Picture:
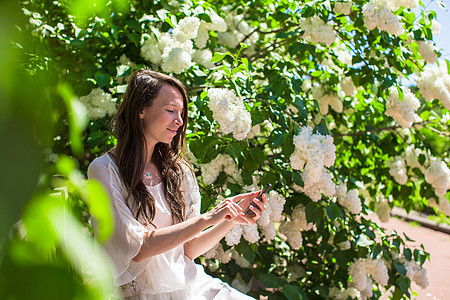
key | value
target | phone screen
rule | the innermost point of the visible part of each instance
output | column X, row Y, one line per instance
column 249, row 212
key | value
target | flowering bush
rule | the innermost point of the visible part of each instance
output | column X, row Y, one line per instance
column 262, row 79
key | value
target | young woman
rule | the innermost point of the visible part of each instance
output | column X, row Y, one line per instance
column 159, row 230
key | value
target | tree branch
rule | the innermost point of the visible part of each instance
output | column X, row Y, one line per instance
column 389, row 128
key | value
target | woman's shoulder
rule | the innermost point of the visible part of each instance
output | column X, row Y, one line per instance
column 102, row 163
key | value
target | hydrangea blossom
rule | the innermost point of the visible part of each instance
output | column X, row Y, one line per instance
column 415, row 272
column 230, row 112
column 222, row 162
column 410, row 156
column 348, row 86
column 435, row 27
column 357, row 270
column 336, row 293
column 203, row 57
column 217, row 24
column 292, row 229
column 434, row 83
column 438, row 175
column 186, row 29
column 377, row 269
column 233, row 237
column 250, row 233
column 218, row 253
column 443, row 206
column 377, row 15
column 238, row 30
column 383, row 210
column 314, row 152
column 239, row 259
column 326, row 100
column 403, row 111
column 317, row 31
column 150, row 50
column 398, row 170
column 349, row 200
column 344, row 8
column 426, row 50
column 98, row 104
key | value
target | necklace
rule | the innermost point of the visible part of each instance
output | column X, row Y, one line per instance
column 147, row 174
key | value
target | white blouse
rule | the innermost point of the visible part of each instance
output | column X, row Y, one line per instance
column 170, row 275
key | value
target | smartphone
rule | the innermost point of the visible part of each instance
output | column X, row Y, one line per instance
column 249, row 212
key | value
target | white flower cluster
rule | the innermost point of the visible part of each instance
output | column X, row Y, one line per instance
column 240, row 260
column 443, row 206
column 292, row 229
column 360, row 270
column 382, row 209
column 239, row 284
column 222, row 162
column 314, row 152
column 186, row 29
column 317, row 31
column 426, row 50
column 343, row 55
column 410, row 156
column 98, row 104
column 230, row 112
column 415, row 272
column 435, row 27
column 434, row 83
column 403, row 111
column 233, row 237
column 325, row 99
column 273, row 213
column 344, row 8
column 349, row 200
column 217, row 24
column 438, row 175
column 174, row 51
column 249, row 232
column 378, row 15
column 398, row 170
column 336, row 293
column 219, row 254
column 348, row 86
column 239, row 29
column 203, row 57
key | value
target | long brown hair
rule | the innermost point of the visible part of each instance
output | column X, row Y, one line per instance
column 144, row 86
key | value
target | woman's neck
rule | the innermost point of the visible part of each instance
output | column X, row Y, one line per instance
column 148, row 156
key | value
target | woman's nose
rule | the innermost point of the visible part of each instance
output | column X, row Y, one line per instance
column 179, row 120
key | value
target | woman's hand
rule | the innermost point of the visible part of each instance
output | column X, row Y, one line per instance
column 250, row 201
column 228, row 209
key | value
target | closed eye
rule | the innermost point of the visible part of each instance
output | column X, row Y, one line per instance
column 171, row 111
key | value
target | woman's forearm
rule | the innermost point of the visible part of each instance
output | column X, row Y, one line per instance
column 207, row 239
column 161, row 240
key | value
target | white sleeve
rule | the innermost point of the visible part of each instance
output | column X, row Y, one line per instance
column 191, row 194
column 128, row 235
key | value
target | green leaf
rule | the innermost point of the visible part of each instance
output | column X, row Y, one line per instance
column 100, row 207
column 400, row 268
column 293, row 292
column 271, row 280
column 333, row 211
column 404, row 283
column 219, row 56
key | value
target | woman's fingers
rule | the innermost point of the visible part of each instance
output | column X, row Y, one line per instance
column 243, row 197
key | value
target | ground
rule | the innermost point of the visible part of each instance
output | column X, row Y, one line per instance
column 438, row 245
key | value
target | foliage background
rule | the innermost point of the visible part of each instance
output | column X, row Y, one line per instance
column 58, row 51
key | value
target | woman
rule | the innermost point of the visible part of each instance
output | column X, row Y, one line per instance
column 159, row 230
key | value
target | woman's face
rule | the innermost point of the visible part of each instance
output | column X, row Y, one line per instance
column 163, row 118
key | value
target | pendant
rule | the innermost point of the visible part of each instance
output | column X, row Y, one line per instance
column 147, row 174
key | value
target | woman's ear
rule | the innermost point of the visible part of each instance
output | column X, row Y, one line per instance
column 142, row 114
